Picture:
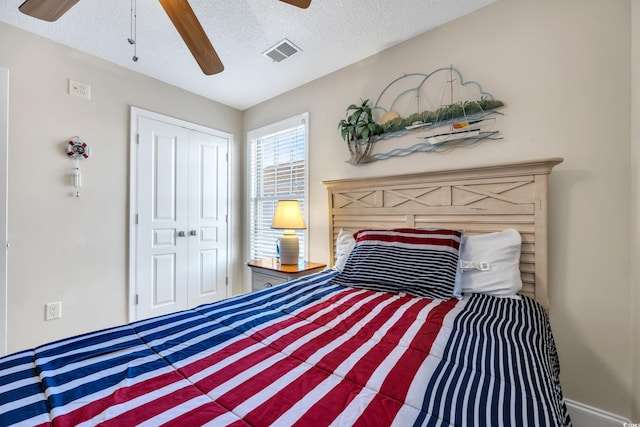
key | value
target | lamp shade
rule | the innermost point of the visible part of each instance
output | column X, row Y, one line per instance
column 288, row 216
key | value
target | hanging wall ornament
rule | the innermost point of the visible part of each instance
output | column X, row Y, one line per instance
column 77, row 149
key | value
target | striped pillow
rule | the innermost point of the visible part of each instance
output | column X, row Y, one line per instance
column 420, row 262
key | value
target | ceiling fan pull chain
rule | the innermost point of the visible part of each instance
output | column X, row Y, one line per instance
column 134, row 29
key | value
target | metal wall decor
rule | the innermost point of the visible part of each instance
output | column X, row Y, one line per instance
column 441, row 109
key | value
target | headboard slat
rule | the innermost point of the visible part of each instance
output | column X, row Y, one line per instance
column 478, row 199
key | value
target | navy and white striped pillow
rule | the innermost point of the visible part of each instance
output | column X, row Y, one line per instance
column 420, row 262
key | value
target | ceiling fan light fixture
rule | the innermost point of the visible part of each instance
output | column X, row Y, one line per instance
column 45, row 9
column 184, row 20
column 281, row 50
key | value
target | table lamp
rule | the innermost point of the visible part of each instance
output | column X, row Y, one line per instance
column 288, row 217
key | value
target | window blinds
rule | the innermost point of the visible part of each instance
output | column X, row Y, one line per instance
column 278, row 170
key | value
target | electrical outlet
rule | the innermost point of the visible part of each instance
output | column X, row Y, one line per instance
column 79, row 89
column 53, row 310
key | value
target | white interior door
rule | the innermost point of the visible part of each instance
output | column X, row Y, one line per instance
column 4, row 171
column 181, row 208
column 163, row 218
column 207, row 234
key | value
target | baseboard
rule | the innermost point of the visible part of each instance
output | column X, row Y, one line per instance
column 587, row 416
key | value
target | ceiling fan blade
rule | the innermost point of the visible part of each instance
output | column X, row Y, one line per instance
column 47, row 10
column 187, row 24
column 300, row 3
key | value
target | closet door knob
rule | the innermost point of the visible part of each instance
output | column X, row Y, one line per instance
column 181, row 234
column 193, row 233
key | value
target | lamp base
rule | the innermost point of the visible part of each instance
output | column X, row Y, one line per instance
column 289, row 248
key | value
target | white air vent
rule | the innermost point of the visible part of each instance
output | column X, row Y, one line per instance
column 282, row 50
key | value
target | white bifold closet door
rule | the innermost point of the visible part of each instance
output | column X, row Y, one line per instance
column 182, row 207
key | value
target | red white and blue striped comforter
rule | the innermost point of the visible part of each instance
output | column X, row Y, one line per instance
column 304, row 353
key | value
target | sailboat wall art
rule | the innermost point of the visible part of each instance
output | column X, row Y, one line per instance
column 440, row 111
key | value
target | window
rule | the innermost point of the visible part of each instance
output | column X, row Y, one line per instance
column 277, row 170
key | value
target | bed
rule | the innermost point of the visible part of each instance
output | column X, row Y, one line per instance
column 392, row 335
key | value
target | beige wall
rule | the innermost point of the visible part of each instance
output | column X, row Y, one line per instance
column 63, row 248
column 635, row 198
column 563, row 70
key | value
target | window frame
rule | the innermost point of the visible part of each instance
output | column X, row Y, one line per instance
column 251, row 136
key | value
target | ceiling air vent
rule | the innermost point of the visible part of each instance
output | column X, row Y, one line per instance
column 282, row 50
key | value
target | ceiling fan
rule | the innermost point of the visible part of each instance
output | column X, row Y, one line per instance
column 180, row 13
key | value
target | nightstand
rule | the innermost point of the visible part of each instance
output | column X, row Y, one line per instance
column 268, row 272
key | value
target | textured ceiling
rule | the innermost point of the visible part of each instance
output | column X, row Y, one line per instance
column 331, row 34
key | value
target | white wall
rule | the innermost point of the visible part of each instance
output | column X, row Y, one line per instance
column 71, row 249
column 563, row 70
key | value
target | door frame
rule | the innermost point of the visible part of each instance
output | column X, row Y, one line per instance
column 135, row 113
column 4, row 205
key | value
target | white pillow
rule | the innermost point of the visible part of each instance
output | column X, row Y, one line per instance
column 344, row 245
column 490, row 263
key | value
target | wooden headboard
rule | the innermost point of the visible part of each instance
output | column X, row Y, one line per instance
column 479, row 200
